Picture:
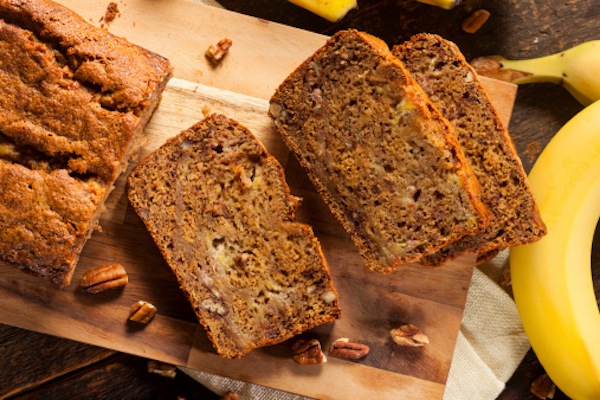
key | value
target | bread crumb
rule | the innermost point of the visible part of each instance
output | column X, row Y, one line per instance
column 112, row 12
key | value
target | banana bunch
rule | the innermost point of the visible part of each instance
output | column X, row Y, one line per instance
column 577, row 69
column 446, row 4
column 552, row 279
column 331, row 10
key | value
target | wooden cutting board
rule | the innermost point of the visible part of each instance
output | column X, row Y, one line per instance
column 262, row 55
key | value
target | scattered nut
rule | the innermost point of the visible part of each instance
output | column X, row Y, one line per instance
column 106, row 277
column 409, row 335
column 343, row 348
column 308, row 352
column 475, row 21
column 163, row 369
column 230, row 396
column 543, row 387
column 215, row 53
column 142, row 312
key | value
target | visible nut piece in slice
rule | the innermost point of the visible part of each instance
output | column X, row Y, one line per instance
column 215, row 53
column 161, row 368
column 475, row 21
column 343, row 348
column 308, row 352
column 142, row 312
column 106, row 277
column 543, row 387
column 409, row 335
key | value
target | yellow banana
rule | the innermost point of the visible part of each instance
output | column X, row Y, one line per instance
column 446, row 4
column 577, row 69
column 552, row 279
column 331, row 10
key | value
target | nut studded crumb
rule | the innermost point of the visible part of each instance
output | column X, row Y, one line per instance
column 218, row 207
column 378, row 152
column 441, row 69
column 454, row 88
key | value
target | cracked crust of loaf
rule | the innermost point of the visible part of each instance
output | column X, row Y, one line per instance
column 219, row 209
column 74, row 100
column 382, row 157
column 453, row 86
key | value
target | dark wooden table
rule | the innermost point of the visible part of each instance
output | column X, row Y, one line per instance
column 44, row 367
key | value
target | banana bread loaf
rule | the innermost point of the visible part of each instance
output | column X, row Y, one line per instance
column 74, row 100
column 383, row 158
column 453, row 87
column 219, row 209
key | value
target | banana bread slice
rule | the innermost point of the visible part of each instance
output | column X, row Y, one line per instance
column 382, row 157
column 219, row 209
column 453, row 87
column 74, row 100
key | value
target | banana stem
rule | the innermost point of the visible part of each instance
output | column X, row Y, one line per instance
column 542, row 69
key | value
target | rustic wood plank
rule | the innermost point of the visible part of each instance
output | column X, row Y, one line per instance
column 31, row 359
column 121, row 376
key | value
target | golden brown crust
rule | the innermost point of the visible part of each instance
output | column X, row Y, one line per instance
column 219, row 209
column 453, row 86
column 382, row 157
column 73, row 100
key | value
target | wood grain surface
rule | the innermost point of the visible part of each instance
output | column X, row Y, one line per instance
column 432, row 299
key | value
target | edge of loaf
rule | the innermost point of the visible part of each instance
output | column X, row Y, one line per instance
column 382, row 157
column 74, row 101
column 452, row 84
column 220, row 211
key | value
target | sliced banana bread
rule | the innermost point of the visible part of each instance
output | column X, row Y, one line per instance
column 74, row 100
column 219, row 209
column 453, row 87
column 383, row 158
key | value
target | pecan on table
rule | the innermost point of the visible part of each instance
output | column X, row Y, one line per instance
column 409, row 335
column 308, row 352
column 106, row 277
column 343, row 348
column 215, row 53
column 543, row 387
column 142, row 312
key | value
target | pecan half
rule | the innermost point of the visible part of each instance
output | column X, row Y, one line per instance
column 343, row 348
column 543, row 387
column 475, row 21
column 215, row 53
column 162, row 369
column 106, row 277
column 230, row 396
column 308, row 352
column 142, row 312
column 409, row 335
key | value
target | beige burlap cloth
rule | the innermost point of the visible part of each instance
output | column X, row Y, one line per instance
column 491, row 342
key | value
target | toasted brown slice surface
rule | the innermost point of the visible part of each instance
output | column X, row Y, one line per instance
column 383, row 158
column 73, row 101
column 453, row 86
column 219, row 209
